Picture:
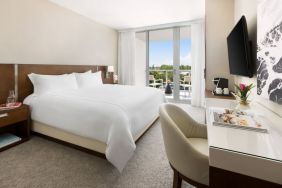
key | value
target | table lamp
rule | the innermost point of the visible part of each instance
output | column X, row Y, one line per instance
column 110, row 70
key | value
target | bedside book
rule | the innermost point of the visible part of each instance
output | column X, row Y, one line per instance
column 7, row 139
column 5, row 107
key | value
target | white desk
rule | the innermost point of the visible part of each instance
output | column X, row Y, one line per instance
column 249, row 153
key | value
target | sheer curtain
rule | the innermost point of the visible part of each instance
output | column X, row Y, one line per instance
column 126, row 58
column 198, row 64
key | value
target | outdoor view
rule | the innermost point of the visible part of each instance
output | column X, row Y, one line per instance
column 163, row 70
column 161, row 59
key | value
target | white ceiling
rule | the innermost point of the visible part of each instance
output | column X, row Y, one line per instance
column 124, row 14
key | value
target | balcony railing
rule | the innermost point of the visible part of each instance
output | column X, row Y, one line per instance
column 166, row 75
column 162, row 76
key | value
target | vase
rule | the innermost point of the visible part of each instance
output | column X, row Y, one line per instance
column 242, row 104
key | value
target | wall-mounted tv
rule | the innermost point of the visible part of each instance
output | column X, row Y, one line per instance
column 239, row 50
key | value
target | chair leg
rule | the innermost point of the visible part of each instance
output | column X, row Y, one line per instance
column 177, row 180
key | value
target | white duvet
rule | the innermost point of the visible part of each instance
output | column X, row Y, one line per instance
column 112, row 114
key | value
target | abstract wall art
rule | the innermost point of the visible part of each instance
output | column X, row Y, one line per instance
column 269, row 50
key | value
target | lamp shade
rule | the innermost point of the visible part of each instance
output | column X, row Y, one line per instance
column 110, row 69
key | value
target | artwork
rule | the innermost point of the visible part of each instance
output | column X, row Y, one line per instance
column 269, row 50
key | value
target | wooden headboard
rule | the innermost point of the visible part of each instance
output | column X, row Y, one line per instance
column 7, row 81
column 25, row 87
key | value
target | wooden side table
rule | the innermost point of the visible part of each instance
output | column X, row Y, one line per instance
column 108, row 79
column 15, row 121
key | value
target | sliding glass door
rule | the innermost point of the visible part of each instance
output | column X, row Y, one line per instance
column 168, row 61
column 161, row 66
column 163, row 61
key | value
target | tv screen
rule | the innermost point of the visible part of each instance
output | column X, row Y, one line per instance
column 239, row 53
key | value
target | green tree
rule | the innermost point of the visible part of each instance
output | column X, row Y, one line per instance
column 161, row 74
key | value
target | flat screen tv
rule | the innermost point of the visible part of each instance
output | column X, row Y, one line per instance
column 239, row 50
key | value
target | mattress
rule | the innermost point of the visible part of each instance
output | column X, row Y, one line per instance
column 110, row 114
column 88, row 143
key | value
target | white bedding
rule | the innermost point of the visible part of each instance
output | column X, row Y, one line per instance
column 109, row 113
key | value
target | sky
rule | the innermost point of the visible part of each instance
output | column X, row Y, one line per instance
column 161, row 52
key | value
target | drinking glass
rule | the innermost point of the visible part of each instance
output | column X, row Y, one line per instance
column 11, row 100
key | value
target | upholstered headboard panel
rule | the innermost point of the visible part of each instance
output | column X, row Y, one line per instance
column 7, row 81
column 25, row 87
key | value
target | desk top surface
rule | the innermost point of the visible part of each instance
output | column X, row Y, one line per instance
column 266, row 145
column 246, row 152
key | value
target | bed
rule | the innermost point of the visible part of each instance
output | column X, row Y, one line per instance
column 107, row 118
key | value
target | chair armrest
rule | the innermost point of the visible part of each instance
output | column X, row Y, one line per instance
column 189, row 127
column 200, row 130
column 183, row 156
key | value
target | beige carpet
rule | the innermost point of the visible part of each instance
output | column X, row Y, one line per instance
column 42, row 163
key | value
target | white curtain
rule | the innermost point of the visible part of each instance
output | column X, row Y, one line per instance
column 126, row 58
column 198, row 64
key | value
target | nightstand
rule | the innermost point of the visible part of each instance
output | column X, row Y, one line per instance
column 17, row 122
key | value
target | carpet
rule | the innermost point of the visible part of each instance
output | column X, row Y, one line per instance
column 42, row 163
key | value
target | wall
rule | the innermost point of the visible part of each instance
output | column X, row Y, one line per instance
column 219, row 23
column 249, row 9
column 6, row 32
column 38, row 31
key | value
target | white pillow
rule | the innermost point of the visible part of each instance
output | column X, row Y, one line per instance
column 48, row 83
column 89, row 80
column 78, row 73
column 31, row 76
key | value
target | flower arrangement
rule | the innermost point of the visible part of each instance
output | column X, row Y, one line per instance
column 243, row 92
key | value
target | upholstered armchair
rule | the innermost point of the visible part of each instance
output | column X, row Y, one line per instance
column 186, row 146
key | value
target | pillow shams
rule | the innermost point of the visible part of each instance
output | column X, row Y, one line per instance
column 32, row 76
column 89, row 80
column 87, row 72
column 48, row 83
